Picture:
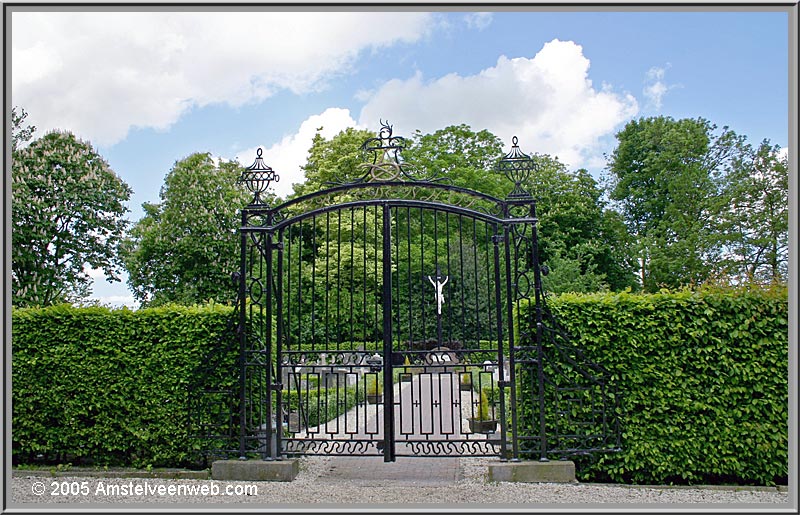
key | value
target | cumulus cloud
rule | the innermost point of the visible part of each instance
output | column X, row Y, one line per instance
column 655, row 87
column 99, row 74
column 288, row 155
column 547, row 101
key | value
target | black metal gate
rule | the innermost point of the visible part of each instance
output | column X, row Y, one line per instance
column 391, row 316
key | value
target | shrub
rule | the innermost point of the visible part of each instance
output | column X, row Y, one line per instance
column 704, row 377
column 108, row 387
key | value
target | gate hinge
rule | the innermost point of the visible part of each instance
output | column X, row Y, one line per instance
column 503, row 384
column 498, row 238
column 278, row 245
column 276, row 386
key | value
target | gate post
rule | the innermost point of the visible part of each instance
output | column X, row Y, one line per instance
column 256, row 178
column 521, row 212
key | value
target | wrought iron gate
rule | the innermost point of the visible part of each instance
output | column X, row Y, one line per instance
column 390, row 316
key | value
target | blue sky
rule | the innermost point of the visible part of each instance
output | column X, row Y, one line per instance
column 148, row 89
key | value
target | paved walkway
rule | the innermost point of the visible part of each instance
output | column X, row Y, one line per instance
column 404, row 471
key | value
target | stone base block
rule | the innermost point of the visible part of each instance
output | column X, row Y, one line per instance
column 255, row 470
column 533, row 472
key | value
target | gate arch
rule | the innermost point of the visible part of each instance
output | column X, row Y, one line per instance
column 413, row 288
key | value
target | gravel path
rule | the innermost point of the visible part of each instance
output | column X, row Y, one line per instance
column 311, row 488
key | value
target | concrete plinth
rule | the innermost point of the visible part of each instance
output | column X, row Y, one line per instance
column 533, row 472
column 254, row 470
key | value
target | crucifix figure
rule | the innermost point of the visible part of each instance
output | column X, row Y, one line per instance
column 439, row 285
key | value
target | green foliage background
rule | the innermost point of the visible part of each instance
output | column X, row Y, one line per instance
column 704, row 376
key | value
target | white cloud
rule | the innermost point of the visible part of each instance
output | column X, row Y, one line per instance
column 287, row 156
column 655, row 87
column 547, row 101
column 99, row 74
column 478, row 20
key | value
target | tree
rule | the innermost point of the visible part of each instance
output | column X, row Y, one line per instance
column 185, row 248
column 666, row 175
column 334, row 160
column 463, row 156
column 67, row 214
column 756, row 215
column 19, row 134
column 580, row 240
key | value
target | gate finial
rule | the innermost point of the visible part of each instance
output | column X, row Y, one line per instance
column 517, row 167
column 386, row 164
column 257, row 178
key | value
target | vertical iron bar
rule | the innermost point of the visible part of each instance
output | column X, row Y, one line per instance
column 352, row 273
column 448, row 304
column 396, row 297
column 300, row 285
column 510, row 265
column 462, row 285
column 327, row 285
column 388, row 387
column 436, row 262
column 410, row 282
column 499, row 313
column 539, row 344
column 288, row 292
column 242, row 334
column 475, row 266
column 375, row 241
column 338, row 280
column 279, row 328
column 313, row 283
column 271, row 411
column 423, row 327
column 490, row 321
column 364, row 284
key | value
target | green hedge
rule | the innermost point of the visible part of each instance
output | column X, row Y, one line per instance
column 105, row 386
column 705, row 382
column 704, row 377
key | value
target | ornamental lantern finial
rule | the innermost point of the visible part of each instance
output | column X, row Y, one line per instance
column 257, row 178
column 517, row 167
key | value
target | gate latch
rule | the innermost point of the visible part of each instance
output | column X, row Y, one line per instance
column 503, row 384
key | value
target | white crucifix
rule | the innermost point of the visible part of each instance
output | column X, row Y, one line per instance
column 439, row 285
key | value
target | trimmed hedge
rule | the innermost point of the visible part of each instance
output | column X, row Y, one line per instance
column 107, row 387
column 704, row 377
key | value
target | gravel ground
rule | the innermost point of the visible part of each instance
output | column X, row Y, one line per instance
column 312, row 487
